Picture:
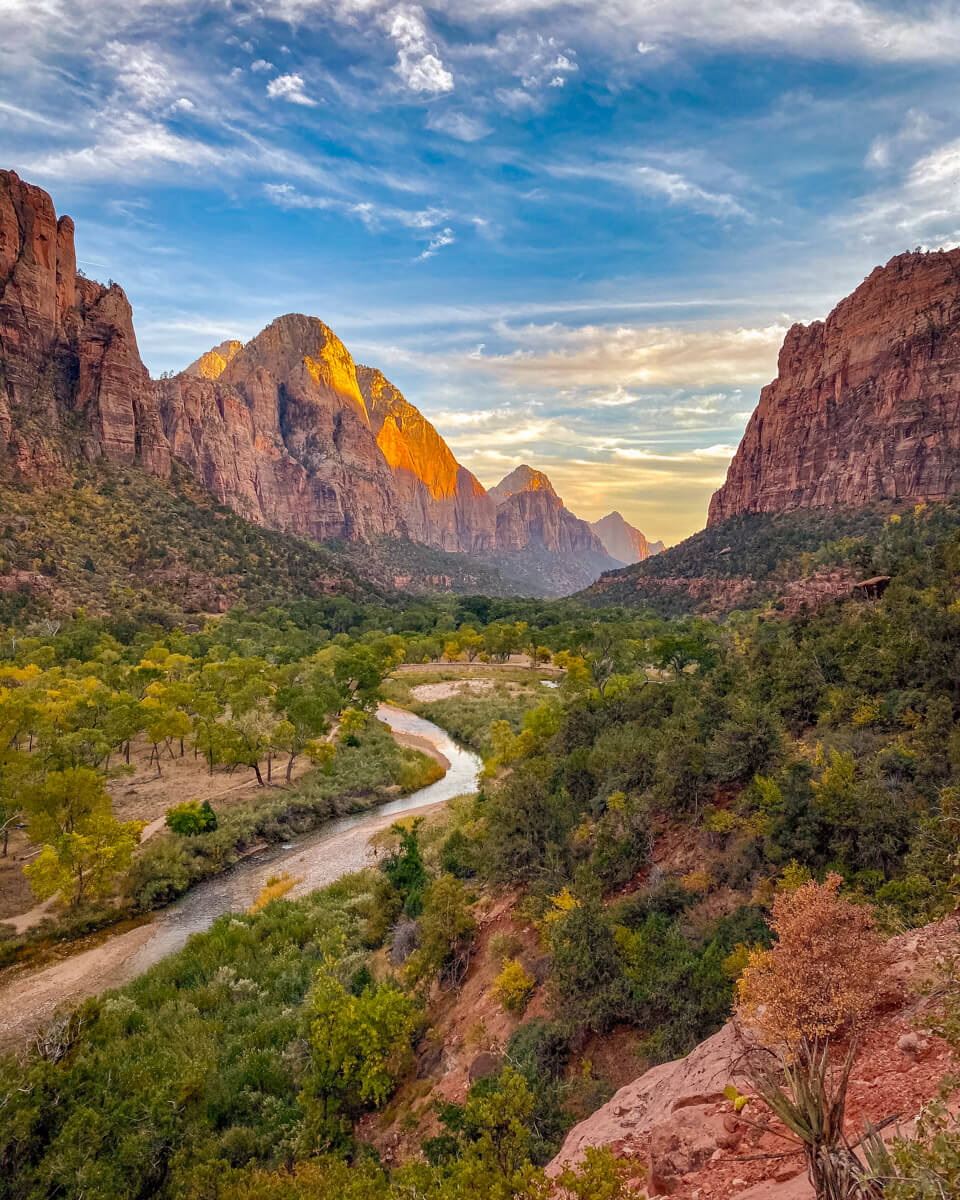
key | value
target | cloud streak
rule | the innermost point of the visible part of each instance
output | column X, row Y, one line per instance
column 556, row 355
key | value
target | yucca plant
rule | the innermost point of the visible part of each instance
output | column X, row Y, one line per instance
column 808, row 1095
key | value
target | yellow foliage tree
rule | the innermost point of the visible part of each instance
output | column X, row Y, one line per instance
column 820, row 976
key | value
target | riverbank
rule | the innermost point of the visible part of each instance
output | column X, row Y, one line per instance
column 29, row 998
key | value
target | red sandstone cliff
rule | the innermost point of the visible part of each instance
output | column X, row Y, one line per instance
column 444, row 500
column 282, row 435
column 285, row 429
column 71, row 380
column 866, row 405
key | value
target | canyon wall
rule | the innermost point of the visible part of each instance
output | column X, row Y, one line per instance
column 866, row 405
column 286, row 429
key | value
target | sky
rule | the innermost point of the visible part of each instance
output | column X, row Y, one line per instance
column 573, row 234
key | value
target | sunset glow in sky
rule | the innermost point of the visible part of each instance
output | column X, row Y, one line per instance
column 573, row 234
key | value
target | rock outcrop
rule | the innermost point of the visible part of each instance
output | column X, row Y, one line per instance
column 676, row 1118
column 866, row 405
column 71, row 381
column 623, row 541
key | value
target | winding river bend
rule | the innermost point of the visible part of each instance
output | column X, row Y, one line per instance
column 341, row 846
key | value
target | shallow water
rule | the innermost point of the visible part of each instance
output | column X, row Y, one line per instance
column 31, row 997
column 316, row 859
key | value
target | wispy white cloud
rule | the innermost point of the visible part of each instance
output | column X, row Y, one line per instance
column 25, row 114
column 834, row 29
column 443, row 237
column 127, row 147
column 141, row 73
column 373, row 215
column 922, row 209
column 556, row 355
column 458, row 125
column 916, row 129
column 292, row 88
column 672, row 186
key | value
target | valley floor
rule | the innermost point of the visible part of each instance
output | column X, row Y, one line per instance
column 29, row 997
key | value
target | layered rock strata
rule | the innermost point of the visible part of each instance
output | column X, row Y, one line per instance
column 866, row 404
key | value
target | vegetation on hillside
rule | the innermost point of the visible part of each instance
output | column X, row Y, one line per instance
column 773, row 549
column 647, row 817
column 124, row 545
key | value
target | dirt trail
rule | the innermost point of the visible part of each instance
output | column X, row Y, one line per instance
column 515, row 662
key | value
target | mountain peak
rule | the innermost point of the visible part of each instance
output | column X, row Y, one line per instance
column 212, row 364
column 623, row 541
column 521, row 479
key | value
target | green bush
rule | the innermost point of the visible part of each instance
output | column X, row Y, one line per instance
column 191, row 817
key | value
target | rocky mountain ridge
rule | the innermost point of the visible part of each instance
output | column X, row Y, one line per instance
column 866, row 404
column 286, row 429
column 530, row 515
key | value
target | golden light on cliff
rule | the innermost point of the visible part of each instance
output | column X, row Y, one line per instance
column 212, row 364
column 335, row 370
column 422, row 452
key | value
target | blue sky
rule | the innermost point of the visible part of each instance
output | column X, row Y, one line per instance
column 573, row 234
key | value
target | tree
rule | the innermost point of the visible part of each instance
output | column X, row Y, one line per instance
column 307, row 701
column 64, row 802
column 359, row 1047
column 352, row 721
column 821, row 975
column 248, row 737
column 9, row 814
column 586, row 988
column 447, row 930
column 820, row 978
column 83, row 864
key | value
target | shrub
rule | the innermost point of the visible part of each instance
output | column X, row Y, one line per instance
column 514, row 987
column 820, row 976
column 276, row 886
column 586, row 988
column 447, row 930
column 192, row 817
column 503, row 945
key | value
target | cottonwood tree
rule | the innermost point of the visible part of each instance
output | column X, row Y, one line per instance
column 84, row 846
column 307, row 701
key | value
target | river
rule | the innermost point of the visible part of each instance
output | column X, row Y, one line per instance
column 339, row 847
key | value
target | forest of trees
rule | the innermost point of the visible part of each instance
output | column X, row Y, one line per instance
column 788, row 754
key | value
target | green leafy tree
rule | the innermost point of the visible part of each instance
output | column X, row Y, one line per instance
column 586, row 988
column 84, row 864
column 447, row 930
column 359, row 1047
column 307, row 702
